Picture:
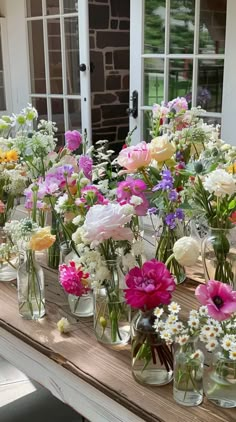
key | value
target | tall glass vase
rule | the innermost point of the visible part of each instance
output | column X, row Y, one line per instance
column 30, row 286
column 152, row 359
column 219, row 256
column 54, row 250
column 8, row 258
column 220, row 380
column 164, row 250
column 188, row 374
column 112, row 315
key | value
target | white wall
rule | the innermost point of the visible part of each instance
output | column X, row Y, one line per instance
column 17, row 75
column 229, row 91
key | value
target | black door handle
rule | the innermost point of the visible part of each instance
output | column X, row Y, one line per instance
column 82, row 67
column 134, row 110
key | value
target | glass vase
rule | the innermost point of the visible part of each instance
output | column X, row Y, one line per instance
column 54, row 250
column 220, row 380
column 152, row 358
column 30, row 286
column 8, row 258
column 81, row 306
column 219, row 256
column 164, row 250
column 188, row 374
column 112, row 317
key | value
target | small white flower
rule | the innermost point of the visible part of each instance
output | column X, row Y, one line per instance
column 203, row 311
column 196, row 355
column 128, row 209
column 63, row 325
column 158, row 312
column 193, row 314
column 182, row 339
column 174, row 307
column 193, row 323
column 166, row 335
column 226, row 343
column 232, row 354
column 135, row 200
column 211, row 345
column 76, row 221
column 172, row 319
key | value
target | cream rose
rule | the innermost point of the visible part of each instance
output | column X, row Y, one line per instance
column 161, row 148
column 186, row 251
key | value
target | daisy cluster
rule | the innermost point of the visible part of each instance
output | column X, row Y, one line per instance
column 171, row 329
column 215, row 333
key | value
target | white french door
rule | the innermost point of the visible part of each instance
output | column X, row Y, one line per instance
column 59, row 64
column 180, row 48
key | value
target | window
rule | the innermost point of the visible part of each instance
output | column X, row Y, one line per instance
column 181, row 54
column 54, row 27
column 3, row 106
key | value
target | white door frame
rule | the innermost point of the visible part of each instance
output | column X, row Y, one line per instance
column 6, row 67
column 137, row 11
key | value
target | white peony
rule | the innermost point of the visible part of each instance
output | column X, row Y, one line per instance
column 104, row 222
column 220, row 183
column 186, row 251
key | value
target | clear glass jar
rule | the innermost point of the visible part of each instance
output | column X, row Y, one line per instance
column 54, row 250
column 65, row 250
column 188, row 374
column 112, row 317
column 219, row 256
column 152, row 359
column 30, row 286
column 220, row 380
column 9, row 259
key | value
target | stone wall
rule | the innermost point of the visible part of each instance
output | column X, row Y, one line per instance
column 109, row 55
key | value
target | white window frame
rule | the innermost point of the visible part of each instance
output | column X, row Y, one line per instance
column 137, row 56
column 85, row 89
column 6, row 67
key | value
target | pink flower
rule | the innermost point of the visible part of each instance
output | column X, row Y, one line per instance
column 90, row 195
column 178, row 104
column 105, row 222
column 149, row 286
column 135, row 157
column 86, row 164
column 219, row 298
column 73, row 139
column 2, row 207
column 133, row 187
column 73, row 279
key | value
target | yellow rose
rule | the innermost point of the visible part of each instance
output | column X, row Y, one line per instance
column 12, row 155
column 41, row 240
column 161, row 148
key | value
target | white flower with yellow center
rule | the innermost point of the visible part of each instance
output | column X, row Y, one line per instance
column 174, row 307
column 203, row 311
column 196, row 355
column 211, row 345
column 193, row 323
column 158, row 312
column 232, row 354
column 182, row 339
column 193, row 314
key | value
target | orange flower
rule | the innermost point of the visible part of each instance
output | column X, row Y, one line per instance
column 12, row 155
column 41, row 240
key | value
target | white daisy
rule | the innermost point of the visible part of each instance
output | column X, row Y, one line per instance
column 232, row 354
column 182, row 339
column 158, row 312
column 174, row 307
column 211, row 345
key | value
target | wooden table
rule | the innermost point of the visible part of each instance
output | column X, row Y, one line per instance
column 91, row 378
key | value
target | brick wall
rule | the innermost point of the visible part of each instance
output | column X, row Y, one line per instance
column 109, row 54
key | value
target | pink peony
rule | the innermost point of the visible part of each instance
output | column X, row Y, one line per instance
column 73, row 279
column 105, row 222
column 135, row 157
column 219, row 298
column 149, row 286
column 73, row 139
column 133, row 187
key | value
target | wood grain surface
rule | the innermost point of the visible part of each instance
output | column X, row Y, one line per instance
column 105, row 369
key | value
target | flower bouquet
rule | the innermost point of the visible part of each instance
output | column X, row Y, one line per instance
column 147, row 287
column 219, row 335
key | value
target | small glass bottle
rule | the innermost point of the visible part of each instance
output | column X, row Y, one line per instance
column 188, row 374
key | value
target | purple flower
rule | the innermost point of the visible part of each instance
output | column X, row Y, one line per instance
column 178, row 104
column 86, row 164
column 179, row 213
column 179, row 156
column 73, row 139
column 166, row 183
column 152, row 210
column 170, row 220
column 173, row 195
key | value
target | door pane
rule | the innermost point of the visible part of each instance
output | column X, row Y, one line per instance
column 36, row 57
column 182, row 26
column 70, row 6
column 41, row 106
column 180, row 78
column 58, row 118
column 154, row 26
column 34, row 8
column 52, row 7
column 74, row 108
column 72, row 55
column 212, row 27
column 153, row 81
column 54, row 52
column 210, row 84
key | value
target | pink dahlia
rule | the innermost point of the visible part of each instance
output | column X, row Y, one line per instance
column 73, row 279
column 73, row 139
column 219, row 298
column 149, row 286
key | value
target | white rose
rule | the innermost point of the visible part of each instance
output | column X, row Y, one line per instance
column 186, row 251
column 161, row 148
column 220, row 183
